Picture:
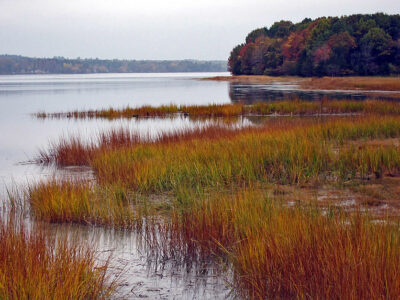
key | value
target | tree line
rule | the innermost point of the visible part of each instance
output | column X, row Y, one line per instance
column 13, row 64
column 328, row 46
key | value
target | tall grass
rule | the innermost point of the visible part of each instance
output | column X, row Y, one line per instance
column 36, row 266
column 78, row 201
column 296, row 154
column 274, row 251
column 75, row 151
column 281, row 252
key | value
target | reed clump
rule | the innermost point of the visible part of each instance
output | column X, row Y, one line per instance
column 79, row 201
column 282, row 252
column 36, row 266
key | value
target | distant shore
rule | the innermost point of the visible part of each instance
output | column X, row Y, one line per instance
column 377, row 84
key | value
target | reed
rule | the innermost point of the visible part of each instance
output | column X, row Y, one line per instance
column 274, row 251
column 36, row 266
column 75, row 151
column 78, row 201
column 299, row 153
column 281, row 252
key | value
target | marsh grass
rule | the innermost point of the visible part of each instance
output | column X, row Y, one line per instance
column 111, row 113
column 292, row 107
column 36, row 266
column 281, row 252
column 79, row 201
column 75, row 151
column 216, row 214
column 362, row 83
column 295, row 154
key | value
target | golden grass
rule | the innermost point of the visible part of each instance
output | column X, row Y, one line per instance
column 35, row 266
column 59, row 201
column 74, row 151
column 299, row 152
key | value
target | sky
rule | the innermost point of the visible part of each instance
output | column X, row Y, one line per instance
column 153, row 29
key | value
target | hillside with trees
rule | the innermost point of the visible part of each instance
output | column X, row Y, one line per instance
column 329, row 46
column 13, row 64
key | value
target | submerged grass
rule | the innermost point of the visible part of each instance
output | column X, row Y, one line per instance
column 36, row 266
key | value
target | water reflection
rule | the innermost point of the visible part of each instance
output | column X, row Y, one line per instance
column 140, row 274
column 274, row 91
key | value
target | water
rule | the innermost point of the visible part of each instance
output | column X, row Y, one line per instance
column 22, row 135
column 249, row 93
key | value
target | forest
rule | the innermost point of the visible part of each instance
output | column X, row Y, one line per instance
column 14, row 64
column 356, row 45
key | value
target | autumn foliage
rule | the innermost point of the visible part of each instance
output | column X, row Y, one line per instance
column 327, row 46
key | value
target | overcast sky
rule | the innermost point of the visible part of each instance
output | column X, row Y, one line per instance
column 153, row 29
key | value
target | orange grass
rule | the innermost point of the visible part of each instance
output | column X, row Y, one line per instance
column 281, row 252
column 35, row 266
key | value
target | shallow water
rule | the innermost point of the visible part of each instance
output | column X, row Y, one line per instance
column 22, row 135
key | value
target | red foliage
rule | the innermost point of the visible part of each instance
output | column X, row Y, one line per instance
column 322, row 53
column 296, row 42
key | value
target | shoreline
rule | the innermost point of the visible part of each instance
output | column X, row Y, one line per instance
column 375, row 84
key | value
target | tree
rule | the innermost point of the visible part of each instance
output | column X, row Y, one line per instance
column 356, row 44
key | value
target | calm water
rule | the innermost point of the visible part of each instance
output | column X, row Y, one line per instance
column 21, row 137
